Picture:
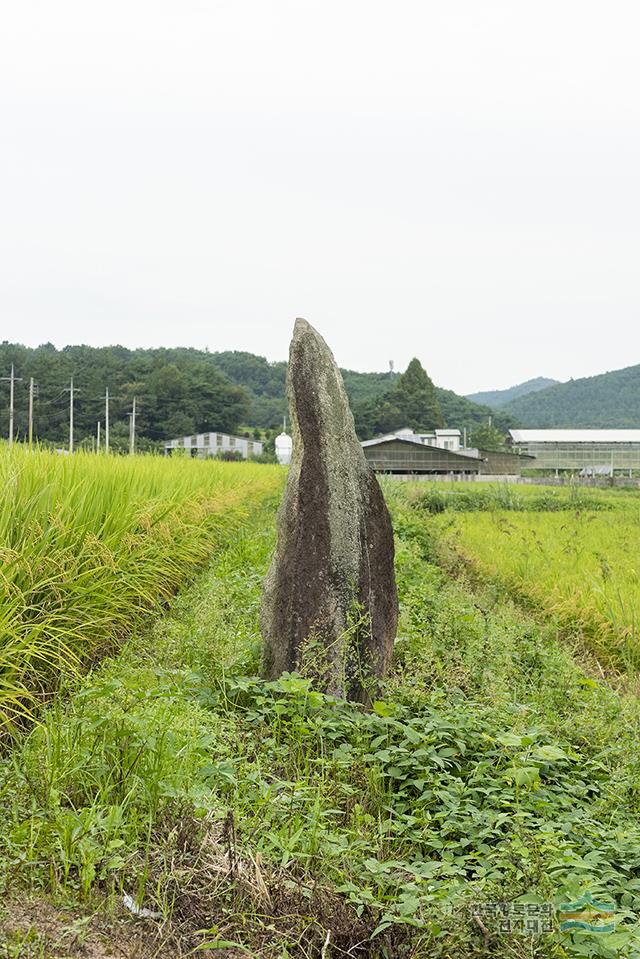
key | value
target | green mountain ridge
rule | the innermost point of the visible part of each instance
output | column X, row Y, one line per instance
column 608, row 400
column 265, row 381
column 500, row 398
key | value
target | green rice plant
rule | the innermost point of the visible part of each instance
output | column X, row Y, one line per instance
column 579, row 566
column 90, row 545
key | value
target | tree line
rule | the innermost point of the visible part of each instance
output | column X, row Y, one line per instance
column 183, row 391
column 178, row 392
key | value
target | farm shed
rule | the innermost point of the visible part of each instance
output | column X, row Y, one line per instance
column 501, row 463
column 577, row 450
column 210, row 444
column 401, row 454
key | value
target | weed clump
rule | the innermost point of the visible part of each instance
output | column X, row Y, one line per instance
column 433, row 500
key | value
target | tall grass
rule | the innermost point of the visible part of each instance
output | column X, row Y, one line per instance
column 90, row 545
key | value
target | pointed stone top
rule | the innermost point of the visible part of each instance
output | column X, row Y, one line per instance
column 318, row 402
column 303, row 326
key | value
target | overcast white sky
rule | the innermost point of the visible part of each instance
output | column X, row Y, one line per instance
column 456, row 181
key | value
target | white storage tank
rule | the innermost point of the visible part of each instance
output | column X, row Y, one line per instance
column 284, row 446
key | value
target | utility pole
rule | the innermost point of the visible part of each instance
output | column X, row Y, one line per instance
column 71, row 391
column 71, row 417
column 98, row 438
column 11, row 380
column 30, row 412
column 11, row 408
column 132, row 429
column 106, row 421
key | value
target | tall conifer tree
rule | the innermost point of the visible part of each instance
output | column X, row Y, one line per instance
column 415, row 397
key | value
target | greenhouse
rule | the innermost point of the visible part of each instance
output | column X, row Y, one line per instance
column 590, row 452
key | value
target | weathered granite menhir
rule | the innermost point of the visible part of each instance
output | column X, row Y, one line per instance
column 330, row 605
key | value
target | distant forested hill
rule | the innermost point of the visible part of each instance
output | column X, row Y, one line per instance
column 178, row 392
column 498, row 398
column 609, row 400
column 460, row 412
column 265, row 383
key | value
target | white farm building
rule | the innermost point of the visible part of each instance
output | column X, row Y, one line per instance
column 441, row 439
column 211, row 444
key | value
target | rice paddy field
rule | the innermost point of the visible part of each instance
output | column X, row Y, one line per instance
column 90, row 545
column 572, row 553
column 159, row 798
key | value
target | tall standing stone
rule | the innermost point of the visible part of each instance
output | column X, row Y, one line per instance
column 330, row 605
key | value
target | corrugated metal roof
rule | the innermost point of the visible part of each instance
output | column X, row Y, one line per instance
column 408, row 434
column 429, row 451
column 575, row 436
column 393, row 436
